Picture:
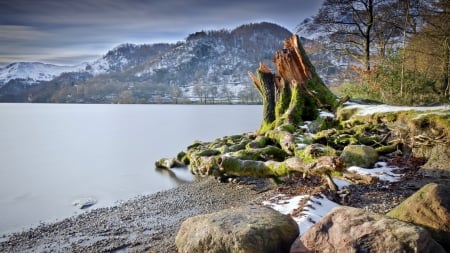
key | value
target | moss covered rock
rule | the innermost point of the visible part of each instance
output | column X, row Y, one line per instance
column 359, row 155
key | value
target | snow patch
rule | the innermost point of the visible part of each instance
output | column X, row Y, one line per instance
column 381, row 170
column 371, row 109
column 314, row 209
column 341, row 183
column 325, row 114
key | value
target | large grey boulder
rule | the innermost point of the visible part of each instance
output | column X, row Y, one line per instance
column 438, row 164
column 429, row 207
column 244, row 229
column 359, row 155
column 348, row 229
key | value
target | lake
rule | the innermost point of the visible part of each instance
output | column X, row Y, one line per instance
column 54, row 154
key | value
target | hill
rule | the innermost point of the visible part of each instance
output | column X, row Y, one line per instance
column 208, row 66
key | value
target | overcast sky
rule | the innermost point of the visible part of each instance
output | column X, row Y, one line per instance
column 69, row 32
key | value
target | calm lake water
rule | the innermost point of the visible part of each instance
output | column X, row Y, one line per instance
column 52, row 154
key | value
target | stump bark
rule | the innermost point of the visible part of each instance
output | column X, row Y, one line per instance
column 295, row 93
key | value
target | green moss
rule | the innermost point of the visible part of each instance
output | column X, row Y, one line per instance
column 266, row 127
column 185, row 159
column 181, row 155
column 304, row 156
column 278, row 169
column 288, row 128
column 259, row 142
column 391, row 117
column 224, row 149
column 296, row 107
column 323, row 124
column 359, row 155
column 383, row 150
column 344, row 140
column 321, row 136
column 236, row 147
column 322, row 92
column 208, row 152
column 231, row 165
column 194, row 145
column 335, row 173
column 284, row 99
column 344, row 113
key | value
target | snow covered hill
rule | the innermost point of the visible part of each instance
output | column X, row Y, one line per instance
column 206, row 64
column 216, row 57
column 32, row 72
column 118, row 59
column 124, row 57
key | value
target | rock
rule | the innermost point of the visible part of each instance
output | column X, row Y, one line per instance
column 359, row 155
column 316, row 150
column 428, row 207
column 84, row 202
column 244, row 229
column 168, row 163
column 298, row 247
column 438, row 164
column 348, row 229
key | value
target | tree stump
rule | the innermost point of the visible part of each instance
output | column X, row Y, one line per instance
column 296, row 93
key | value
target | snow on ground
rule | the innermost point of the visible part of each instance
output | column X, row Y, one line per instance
column 381, row 170
column 318, row 207
column 326, row 114
column 341, row 183
column 371, row 109
column 314, row 209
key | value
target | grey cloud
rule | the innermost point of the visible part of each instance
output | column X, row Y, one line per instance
column 96, row 25
column 20, row 33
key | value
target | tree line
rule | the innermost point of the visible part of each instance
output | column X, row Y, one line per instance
column 396, row 51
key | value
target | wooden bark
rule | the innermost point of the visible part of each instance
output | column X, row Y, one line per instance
column 296, row 93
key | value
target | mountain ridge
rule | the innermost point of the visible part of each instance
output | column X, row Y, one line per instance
column 206, row 64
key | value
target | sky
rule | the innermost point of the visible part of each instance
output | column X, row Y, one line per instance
column 69, row 32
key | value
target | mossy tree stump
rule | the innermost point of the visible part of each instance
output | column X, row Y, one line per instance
column 291, row 96
column 296, row 93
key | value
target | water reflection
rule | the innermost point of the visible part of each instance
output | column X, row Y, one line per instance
column 179, row 175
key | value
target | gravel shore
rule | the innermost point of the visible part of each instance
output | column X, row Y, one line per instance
column 150, row 223
column 145, row 224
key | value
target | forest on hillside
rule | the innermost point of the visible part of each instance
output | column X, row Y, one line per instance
column 392, row 51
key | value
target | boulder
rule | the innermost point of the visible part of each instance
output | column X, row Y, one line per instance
column 244, row 229
column 438, row 164
column 429, row 207
column 348, row 229
column 359, row 155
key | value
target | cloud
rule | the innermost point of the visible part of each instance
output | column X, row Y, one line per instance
column 86, row 25
column 20, row 33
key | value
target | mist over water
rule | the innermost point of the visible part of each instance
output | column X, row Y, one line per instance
column 54, row 154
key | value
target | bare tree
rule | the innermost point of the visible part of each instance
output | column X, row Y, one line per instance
column 359, row 29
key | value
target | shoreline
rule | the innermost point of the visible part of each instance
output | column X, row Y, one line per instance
column 144, row 223
column 150, row 222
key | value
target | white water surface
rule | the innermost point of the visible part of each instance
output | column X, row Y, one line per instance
column 52, row 155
